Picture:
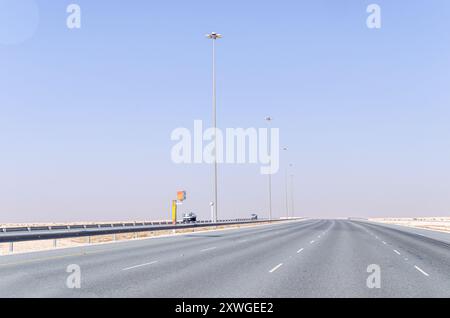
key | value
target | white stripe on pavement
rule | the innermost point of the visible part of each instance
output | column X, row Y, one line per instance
column 132, row 267
column 275, row 268
column 208, row 249
column 300, row 250
column 397, row 252
column 421, row 270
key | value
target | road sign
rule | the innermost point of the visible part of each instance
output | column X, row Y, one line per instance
column 174, row 211
column 181, row 195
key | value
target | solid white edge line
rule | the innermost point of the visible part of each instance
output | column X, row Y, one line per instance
column 421, row 270
column 300, row 250
column 397, row 252
column 136, row 266
column 275, row 268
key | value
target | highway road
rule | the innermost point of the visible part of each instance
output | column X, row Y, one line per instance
column 310, row 258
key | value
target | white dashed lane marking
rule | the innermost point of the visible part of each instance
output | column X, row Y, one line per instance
column 275, row 268
column 421, row 270
column 140, row 265
column 208, row 249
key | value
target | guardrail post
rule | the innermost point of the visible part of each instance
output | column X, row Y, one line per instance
column 114, row 237
column 55, row 243
column 11, row 247
column 135, row 235
column 89, row 240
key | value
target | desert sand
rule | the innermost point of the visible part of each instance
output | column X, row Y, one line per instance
column 430, row 223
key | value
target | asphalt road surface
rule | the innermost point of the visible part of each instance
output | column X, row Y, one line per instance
column 311, row 258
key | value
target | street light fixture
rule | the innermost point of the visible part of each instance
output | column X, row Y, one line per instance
column 214, row 36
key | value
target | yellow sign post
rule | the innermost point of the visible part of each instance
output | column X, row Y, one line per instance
column 174, row 211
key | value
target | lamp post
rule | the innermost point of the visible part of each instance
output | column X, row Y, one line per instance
column 292, row 194
column 269, row 119
column 214, row 36
column 286, row 187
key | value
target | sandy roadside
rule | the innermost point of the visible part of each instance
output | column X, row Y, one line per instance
column 441, row 224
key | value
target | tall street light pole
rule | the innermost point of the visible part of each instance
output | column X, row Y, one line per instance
column 286, row 187
column 269, row 119
column 292, row 191
column 214, row 36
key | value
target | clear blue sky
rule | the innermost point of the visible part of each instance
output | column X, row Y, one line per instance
column 86, row 115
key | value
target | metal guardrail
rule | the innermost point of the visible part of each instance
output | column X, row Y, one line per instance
column 33, row 233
